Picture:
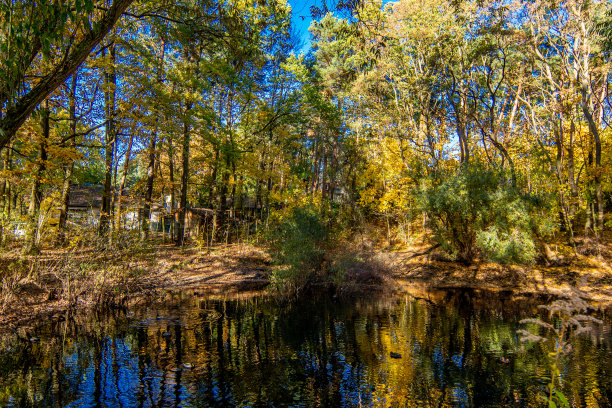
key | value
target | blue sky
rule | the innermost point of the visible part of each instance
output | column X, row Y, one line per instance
column 301, row 20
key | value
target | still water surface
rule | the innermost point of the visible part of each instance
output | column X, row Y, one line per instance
column 457, row 349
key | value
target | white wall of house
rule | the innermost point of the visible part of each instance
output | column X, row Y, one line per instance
column 130, row 219
column 89, row 217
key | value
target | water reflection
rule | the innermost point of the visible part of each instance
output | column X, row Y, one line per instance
column 458, row 348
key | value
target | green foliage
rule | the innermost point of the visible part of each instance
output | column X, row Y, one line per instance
column 604, row 27
column 477, row 208
column 516, row 246
column 342, row 265
column 297, row 237
column 89, row 172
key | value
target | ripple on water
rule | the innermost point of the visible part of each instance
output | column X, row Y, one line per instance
column 206, row 352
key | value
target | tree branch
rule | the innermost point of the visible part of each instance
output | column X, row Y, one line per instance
column 19, row 113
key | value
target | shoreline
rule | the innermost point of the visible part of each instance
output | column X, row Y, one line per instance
column 589, row 281
column 236, row 270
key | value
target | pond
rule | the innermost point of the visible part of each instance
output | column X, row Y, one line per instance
column 452, row 348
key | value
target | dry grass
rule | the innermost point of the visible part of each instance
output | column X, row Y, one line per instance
column 355, row 268
column 91, row 275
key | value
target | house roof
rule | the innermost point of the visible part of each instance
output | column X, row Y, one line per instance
column 90, row 196
column 245, row 202
column 201, row 210
column 85, row 196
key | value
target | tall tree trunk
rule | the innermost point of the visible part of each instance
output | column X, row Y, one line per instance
column 598, row 169
column 571, row 172
column 172, row 187
column 259, row 184
column 559, row 143
column 315, row 168
column 463, row 144
column 146, row 210
column 222, row 224
column 126, row 166
column 68, row 167
column 324, row 175
column 584, row 74
column 109, row 139
column 460, row 111
column 4, row 183
column 588, row 223
column 146, row 218
column 184, row 175
column 334, row 165
column 32, row 230
column 233, row 193
column 212, row 186
column 5, row 193
column 229, row 152
column 114, row 182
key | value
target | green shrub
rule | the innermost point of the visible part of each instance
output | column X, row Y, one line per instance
column 297, row 237
column 515, row 246
column 477, row 209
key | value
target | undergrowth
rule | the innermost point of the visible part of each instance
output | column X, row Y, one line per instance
column 309, row 252
column 86, row 271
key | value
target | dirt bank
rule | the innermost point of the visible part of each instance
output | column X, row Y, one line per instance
column 47, row 285
column 54, row 281
column 590, row 278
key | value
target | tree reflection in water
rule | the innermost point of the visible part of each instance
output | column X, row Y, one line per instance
column 458, row 348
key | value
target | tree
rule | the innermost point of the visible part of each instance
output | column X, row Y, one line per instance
column 47, row 23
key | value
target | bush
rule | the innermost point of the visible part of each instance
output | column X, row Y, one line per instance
column 297, row 239
column 506, row 247
column 477, row 209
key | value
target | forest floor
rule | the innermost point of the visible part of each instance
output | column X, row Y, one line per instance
column 587, row 277
column 48, row 284
column 584, row 271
